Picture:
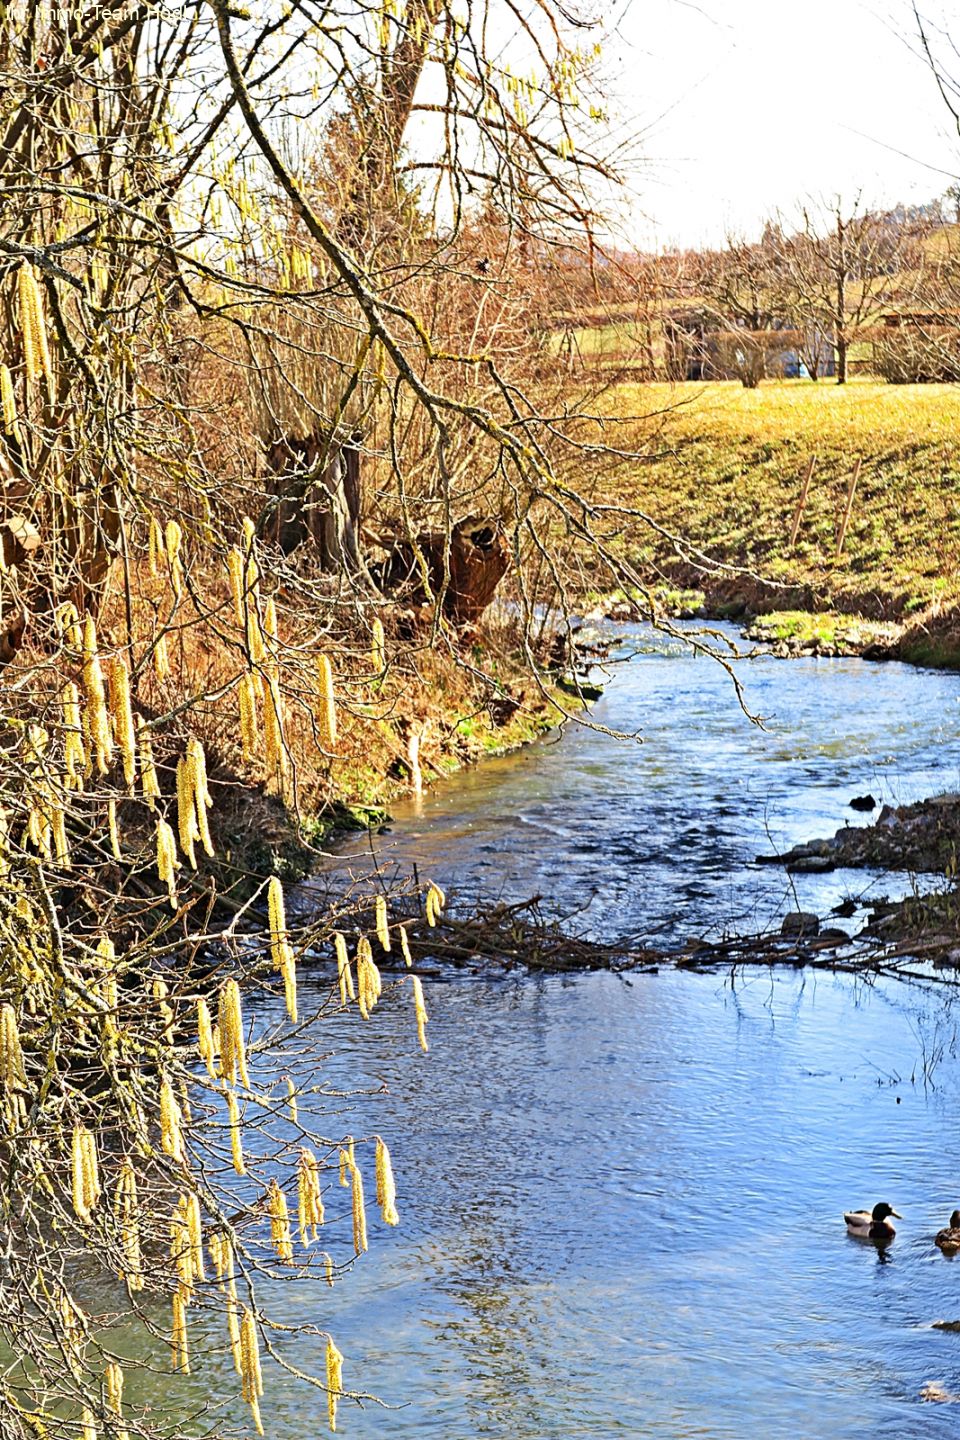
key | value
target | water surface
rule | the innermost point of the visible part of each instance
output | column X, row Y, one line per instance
column 659, row 838
column 621, row 1197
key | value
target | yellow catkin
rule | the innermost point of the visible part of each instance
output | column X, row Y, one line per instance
column 164, row 1008
column 195, row 1232
column 167, row 862
column 202, row 799
column 58, row 830
column 73, row 1327
column 74, row 750
column 113, row 1387
column 249, row 729
column 85, row 1175
column 233, row 1054
column 13, row 1078
column 328, row 1268
column 378, row 650
column 292, row 1102
column 405, row 945
column 186, row 812
column 275, row 749
column 114, row 833
column 126, row 1210
column 310, row 1212
column 359, row 1211
column 36, row 352
column 369, row 983
column 237, row 586
column 97, row 715
column 421, row 1012
column 270, row 626
column 149, row 779
column 221, row 1253
column 171, row 1136
column 178, row 1337
column 334, row 1380
column 250, row 1375
column 344, row 973
column 88, row 1424
column 236, row 1135
column 158, row 547
column 279, row 1223
column 173, row 537
column 280, row 948
column 181, row 1248
column 121, row 714
column 205, row 1045
column 8, row 404
column 326, row 703
column 347, row 1162
column 435, row 902
column 233, row 1329
column 274, row 743
column 386, row 1188
column 161, row 658
column 383, row 923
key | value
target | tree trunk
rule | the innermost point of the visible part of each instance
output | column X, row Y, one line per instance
column 841, row 311
column 318, row 488
column 467, row 570
column 841, row 359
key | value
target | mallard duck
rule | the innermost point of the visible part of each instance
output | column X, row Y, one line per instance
column 949, row 1239
column 872, row 1224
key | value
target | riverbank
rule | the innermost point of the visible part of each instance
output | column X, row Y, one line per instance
column 462, row 709
column 725, row 474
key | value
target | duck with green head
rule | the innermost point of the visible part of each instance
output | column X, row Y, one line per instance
column 948, row 1239
column 872, row 1224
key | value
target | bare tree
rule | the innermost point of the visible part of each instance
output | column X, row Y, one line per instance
column 844, row 267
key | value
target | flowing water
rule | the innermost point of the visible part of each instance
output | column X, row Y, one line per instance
column 621, row 1196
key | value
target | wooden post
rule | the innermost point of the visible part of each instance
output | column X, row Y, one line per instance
column 851, row 491
column 801, row 503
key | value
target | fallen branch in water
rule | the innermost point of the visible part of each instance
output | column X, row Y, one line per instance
column 506, row 937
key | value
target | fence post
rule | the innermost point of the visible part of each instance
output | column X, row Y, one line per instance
column 847, row 512
column 801, row 503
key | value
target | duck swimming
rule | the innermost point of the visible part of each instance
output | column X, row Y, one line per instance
column 873, row 1224
column 949, row 1239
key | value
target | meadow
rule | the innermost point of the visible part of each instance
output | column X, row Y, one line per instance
column 724, row 470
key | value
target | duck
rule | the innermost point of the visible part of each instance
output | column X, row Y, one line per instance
column 949, row 1239
column 872, row 1224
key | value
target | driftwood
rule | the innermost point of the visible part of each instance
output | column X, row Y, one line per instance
column 466, row 572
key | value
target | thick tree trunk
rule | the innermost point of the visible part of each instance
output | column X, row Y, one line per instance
column 319, row 492
column 467, row 574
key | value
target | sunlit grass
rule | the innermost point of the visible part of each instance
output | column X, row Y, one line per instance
column 728, row 469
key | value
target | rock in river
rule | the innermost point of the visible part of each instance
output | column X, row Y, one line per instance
column 800, row 922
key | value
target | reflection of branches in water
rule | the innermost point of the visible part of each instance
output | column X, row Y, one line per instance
column 937, row 1041
column 502, row 1326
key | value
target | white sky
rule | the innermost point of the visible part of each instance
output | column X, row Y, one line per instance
column 748, row 106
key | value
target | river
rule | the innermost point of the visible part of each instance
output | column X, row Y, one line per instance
column 621, row 1197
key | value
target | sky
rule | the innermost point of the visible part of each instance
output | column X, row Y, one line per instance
column 745, row 107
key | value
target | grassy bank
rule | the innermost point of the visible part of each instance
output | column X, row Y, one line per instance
column 726, row 474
